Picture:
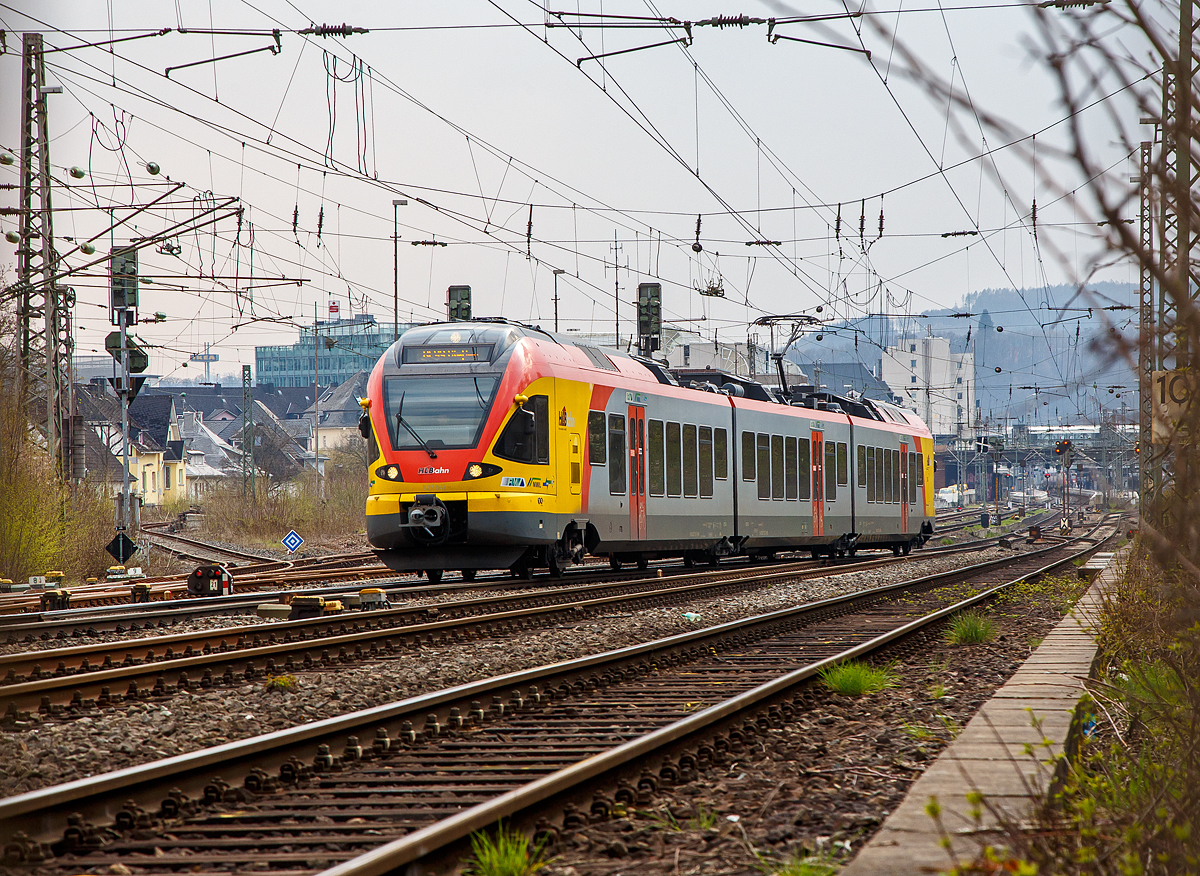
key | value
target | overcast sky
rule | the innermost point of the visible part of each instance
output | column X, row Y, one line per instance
column 478, row 114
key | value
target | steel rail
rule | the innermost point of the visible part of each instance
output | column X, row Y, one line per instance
column 42, row 622
column 541, row 606
column 388, row 858
column 42, row 812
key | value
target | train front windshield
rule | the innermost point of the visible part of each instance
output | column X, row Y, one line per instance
column 437, row 412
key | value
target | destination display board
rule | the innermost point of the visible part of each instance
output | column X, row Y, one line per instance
column 448, row 353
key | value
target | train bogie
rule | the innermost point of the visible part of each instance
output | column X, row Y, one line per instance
column 498, row 446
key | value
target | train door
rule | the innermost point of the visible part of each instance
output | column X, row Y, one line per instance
column 818, row 483
column 904, row 488
column 576, row 463
column 637, row 472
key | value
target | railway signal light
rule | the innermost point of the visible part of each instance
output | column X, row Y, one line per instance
column 649, row 316
column 458, row 302
column 139, row 361
column 123, row 269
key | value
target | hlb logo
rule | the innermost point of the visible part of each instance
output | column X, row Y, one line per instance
column 432, row 470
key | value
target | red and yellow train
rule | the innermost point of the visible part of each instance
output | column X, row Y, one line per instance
column 500, row 446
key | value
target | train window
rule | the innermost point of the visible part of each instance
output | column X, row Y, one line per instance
column 831, row 478
column 616, row 453
column 896, row 476
column 789, row 465
column 887, row 475
column 720, row 454
column 777, row 467
column 920, row 469
column 747, row 456
column 541, row 422
column 877, row 474
column 870, row 474
column 526, row 437
column 843, row 472
column 706, row 462
column 445, row 412
column 803, row 468
column 690, row 475
column 764, row 466
column 658, row 477
column 674, row 463
column 862, row 466
column 912, row 478
column 596, row 437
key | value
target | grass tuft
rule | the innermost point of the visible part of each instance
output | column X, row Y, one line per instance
column 506, row 853
column 802, row 865
column 282, row 683
column 855, row 678
column 970, row 628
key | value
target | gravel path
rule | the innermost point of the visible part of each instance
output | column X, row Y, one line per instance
column 53, row 751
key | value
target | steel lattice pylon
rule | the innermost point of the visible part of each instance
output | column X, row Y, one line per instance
column 247, row 434
column 44, row 344
column 1148, row 342
column 1165, row 328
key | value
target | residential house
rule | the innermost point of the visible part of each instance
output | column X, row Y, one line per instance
column 339, row 412
column 155, row 473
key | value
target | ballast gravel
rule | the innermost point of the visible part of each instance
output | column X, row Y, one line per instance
column 51, row 751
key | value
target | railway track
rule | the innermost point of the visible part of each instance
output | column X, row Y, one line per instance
column 372, row 791
column 87, row 621
column 195, row 549
column 87, row 678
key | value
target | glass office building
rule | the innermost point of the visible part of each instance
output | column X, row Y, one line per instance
column 342, row 347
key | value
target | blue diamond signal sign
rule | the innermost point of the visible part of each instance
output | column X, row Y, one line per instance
column 292, row 541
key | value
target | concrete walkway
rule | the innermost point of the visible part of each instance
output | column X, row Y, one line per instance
column 989, row 755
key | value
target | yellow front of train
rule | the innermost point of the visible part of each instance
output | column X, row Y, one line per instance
column 477, row 463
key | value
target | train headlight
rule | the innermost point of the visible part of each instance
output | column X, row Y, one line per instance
column 389, row 472
column 476, row 470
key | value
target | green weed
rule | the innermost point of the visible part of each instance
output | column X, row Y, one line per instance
column 937, row 690
column 282, row 683
column 506, row 853
column 855, row 678
column 917, row 732
column 704, row 819
column 970, row 628
column 801, row 865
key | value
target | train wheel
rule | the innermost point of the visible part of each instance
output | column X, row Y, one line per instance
column 614, row 563
column 714, row 560
column 435, row 576
column 556, row 566
column 468, row 574
column 895, row 550
column 522, row 570
column 816, row 552
column 907, row 548
column 643, row 564
column 689, row 561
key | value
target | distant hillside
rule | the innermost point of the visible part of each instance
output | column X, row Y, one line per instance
column 1044, row 338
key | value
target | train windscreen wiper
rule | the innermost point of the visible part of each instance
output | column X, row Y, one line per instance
column 411, row 431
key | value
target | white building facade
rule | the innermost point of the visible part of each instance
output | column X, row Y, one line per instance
column 933, row 381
